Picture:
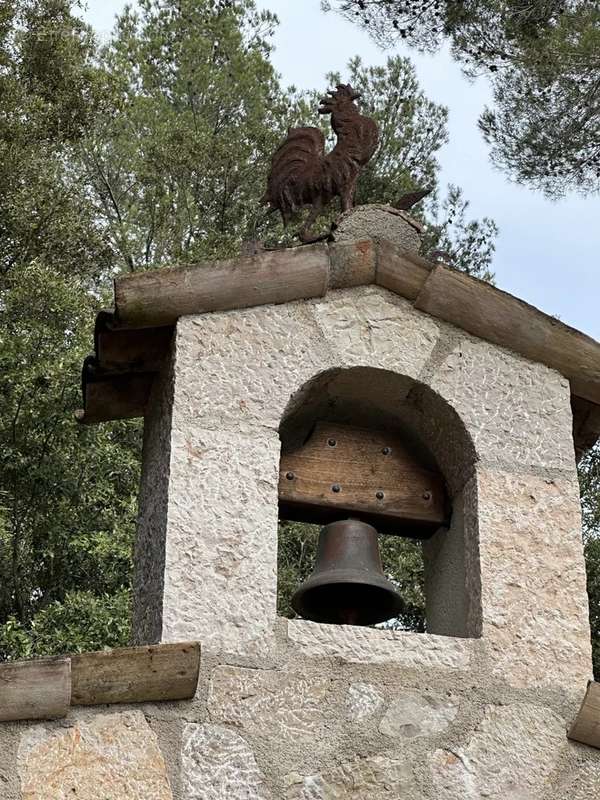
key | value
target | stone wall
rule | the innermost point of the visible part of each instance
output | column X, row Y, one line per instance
column 332, row 713
column 294, row 710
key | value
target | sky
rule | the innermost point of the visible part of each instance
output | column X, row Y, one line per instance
column 548, row 253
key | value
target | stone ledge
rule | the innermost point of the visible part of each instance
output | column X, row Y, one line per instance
column 372, row 646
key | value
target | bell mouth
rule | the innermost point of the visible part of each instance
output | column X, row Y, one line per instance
column 347, row 600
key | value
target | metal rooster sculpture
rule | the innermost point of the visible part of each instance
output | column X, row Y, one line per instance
column 303, row 175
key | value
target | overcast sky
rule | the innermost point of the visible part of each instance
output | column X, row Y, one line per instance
column 547, row 253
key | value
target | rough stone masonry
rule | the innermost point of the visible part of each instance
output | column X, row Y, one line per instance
column 478, row 707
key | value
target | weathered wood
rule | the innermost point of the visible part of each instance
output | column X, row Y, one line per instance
column 38, row 689
column 132, row 350
column 365, row 473
column 116, row 397
column 586, row 725
column 160, row 297
column 498, row 317
column 352, row 263
column 401, row 272
column 136, row 674
column 586, row 425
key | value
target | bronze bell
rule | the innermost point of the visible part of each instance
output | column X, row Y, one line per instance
column 347, row 585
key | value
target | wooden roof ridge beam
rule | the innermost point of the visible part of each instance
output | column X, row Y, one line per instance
column 159, row 297
column 496, row 316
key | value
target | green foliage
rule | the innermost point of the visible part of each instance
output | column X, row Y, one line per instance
column 542, row 58
column 83, row 621
column 177, row 173
column 67, row 494
column 589, row 481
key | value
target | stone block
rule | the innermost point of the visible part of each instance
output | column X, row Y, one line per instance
column 218, row 764
column 373, row 327
column 108, row 757
column 370, row 778
column 221, row 552
column 363, row 701
column 358, row 645
column 281, row 706
column 379, row 222
column 582, row 784
column 518, row 412
column 416, row 714
column 511, row 754
column 534, row 600
column 237, row 370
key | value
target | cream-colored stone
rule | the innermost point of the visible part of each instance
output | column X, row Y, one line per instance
column 379, row 222
column 418, row 714
column 373, row 327
column 372, row 778
column 517, row 411
column 236, row 370
column 510, row 756
column 109, row 757
column 534, row 601
column 583, row 784
column 218, row 764
column 283, row 706
column 221, row 556
column 363, row 701
column 372, row 646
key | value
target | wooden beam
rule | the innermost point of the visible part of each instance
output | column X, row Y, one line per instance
column 132, row 350
column 136, row 674
column 586, row 725
column 498, row 317
column 38, row 689
column 586, row 425
column 343, row 470
column 352, row 264
column 115, row 397
column 160, row 297
column 401, row 272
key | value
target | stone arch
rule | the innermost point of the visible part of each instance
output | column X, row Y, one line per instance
column 379, row 398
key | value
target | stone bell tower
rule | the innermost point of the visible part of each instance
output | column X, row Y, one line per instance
column 233, row 366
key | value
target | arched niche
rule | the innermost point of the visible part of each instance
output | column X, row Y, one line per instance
column 379, row 399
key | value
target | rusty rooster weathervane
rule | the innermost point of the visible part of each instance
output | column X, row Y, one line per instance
column 302, row 174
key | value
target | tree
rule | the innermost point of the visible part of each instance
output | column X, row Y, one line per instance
column 178, row 172
column 66, row 503
column 542, row 58
column 589, row 480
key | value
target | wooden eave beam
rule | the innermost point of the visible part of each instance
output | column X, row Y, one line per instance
column 46, row 688
column 136, row 337
column 586, row 725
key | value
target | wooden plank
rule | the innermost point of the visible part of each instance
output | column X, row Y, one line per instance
column 401, row 272
column 38, row 689
column 116, row 397
column 586, row 725
column 132, row 350
column 159, row 297
column 498, row 317
column 136, row 674
column 586, row 425
column 365, row 473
